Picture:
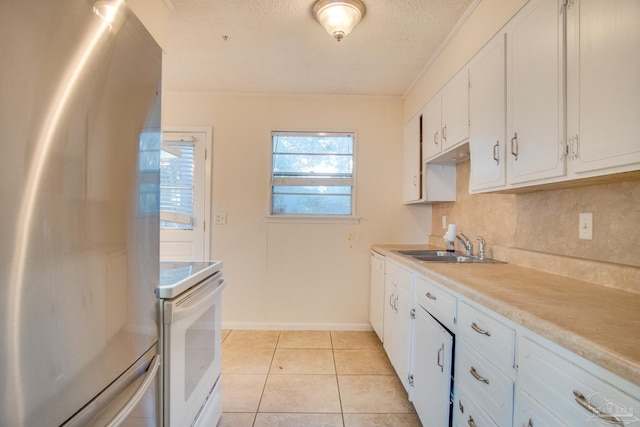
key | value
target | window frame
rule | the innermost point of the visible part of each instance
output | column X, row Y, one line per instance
column 313, row 218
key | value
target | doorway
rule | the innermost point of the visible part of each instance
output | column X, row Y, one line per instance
column 185, row 194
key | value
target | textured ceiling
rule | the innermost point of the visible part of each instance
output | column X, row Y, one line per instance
column 277, row 46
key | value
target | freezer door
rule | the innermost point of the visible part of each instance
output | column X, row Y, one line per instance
column 133, row 400
column 80, row 139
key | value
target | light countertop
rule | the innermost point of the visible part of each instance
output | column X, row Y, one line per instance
column 600, row 324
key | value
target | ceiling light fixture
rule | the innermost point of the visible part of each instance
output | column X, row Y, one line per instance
column 338, row 17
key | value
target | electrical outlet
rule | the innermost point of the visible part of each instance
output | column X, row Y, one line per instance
column 221, row 218
column 585, row 230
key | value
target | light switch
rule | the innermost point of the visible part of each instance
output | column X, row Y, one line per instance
column 444, row 222
column 221, row 218
column 585, row 230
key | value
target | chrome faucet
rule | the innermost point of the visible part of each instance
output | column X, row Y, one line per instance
column 464, row 240
column 482, row 245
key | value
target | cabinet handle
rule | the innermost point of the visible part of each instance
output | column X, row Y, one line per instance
column 435, row 138
column 529, row 424
column 395, row 304
column 471, row 422
column 444, row 133
column 514, row 139
column 440, row 360
column 477, row 376
column 496, row 152
column 428, row 295
column 479, row 330
column 460, row 406
column 582, row 401
column 390, row 300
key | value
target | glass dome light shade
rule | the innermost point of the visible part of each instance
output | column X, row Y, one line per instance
column 339, row 17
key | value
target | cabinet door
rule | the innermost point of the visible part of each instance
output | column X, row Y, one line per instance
column 432, row 356
column 535, row 93
column 486, row 109
column 530, row 413
column 431, row 122
column 376, row 299
column 455, row 110
column 403, row 333
column 603, row 63
column 413, row 159
column 389, row 315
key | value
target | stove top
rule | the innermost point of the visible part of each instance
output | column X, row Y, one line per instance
column 178, row 276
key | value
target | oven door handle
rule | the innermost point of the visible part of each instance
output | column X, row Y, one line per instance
column 194, row 303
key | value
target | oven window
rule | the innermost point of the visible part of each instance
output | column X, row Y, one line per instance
column 200, row 343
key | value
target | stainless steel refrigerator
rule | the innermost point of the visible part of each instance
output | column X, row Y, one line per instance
column 79, row 201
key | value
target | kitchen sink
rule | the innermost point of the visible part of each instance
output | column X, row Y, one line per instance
column 427, row 255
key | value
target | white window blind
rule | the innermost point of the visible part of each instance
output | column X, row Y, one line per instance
column 312, row 173
column 176, row 185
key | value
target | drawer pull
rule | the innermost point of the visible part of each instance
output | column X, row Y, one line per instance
column 479, row 330
column 582, row 401
column 460, row 406
column 440, row 360
column 428, row 295
column 471, row 422
column 529, row 424
column 477, row 376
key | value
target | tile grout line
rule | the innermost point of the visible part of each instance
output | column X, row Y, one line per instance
column 335, row 367
column 273, row 355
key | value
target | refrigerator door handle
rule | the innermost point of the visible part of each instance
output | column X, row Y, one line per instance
column 138, row 395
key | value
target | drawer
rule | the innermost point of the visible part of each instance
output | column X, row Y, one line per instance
column 466, row 412
column 567, row 390
column 487, row 335
column 398, row 275
column 439, row 303
column 486, row 384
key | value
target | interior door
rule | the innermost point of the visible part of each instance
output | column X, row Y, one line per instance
column 184, row 196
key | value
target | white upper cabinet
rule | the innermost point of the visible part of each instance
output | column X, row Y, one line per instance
column 487, row 111
column 432, row 122
column 455, row 110
column 535, row 53
column 446, row 117
column 603, row 86
column 412, row 187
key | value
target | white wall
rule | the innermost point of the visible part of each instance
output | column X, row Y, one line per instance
column 286, row 275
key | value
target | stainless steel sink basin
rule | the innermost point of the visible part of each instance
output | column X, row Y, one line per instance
column 426, row 252
column 426, row 255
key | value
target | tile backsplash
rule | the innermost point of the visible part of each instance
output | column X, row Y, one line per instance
column 540, row 229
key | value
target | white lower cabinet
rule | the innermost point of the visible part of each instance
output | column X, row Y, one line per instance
column 531, row 413
column 398, row 320
column 376, row 297
column 569, row 390
column 504, row 374
column 490, row 387
column 431, row 373
column 467, row 413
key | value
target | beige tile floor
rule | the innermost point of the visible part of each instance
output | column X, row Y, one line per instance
column 310, row 379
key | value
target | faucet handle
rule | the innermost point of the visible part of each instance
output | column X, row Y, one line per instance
column 482, row 244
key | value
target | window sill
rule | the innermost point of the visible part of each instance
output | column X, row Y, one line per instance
column 313, row 219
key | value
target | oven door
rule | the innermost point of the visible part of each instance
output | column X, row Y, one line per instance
column 192, row 349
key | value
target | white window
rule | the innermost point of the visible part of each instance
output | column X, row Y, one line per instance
column 312, row 173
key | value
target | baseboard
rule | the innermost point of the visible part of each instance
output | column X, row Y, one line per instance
column 299, row 326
